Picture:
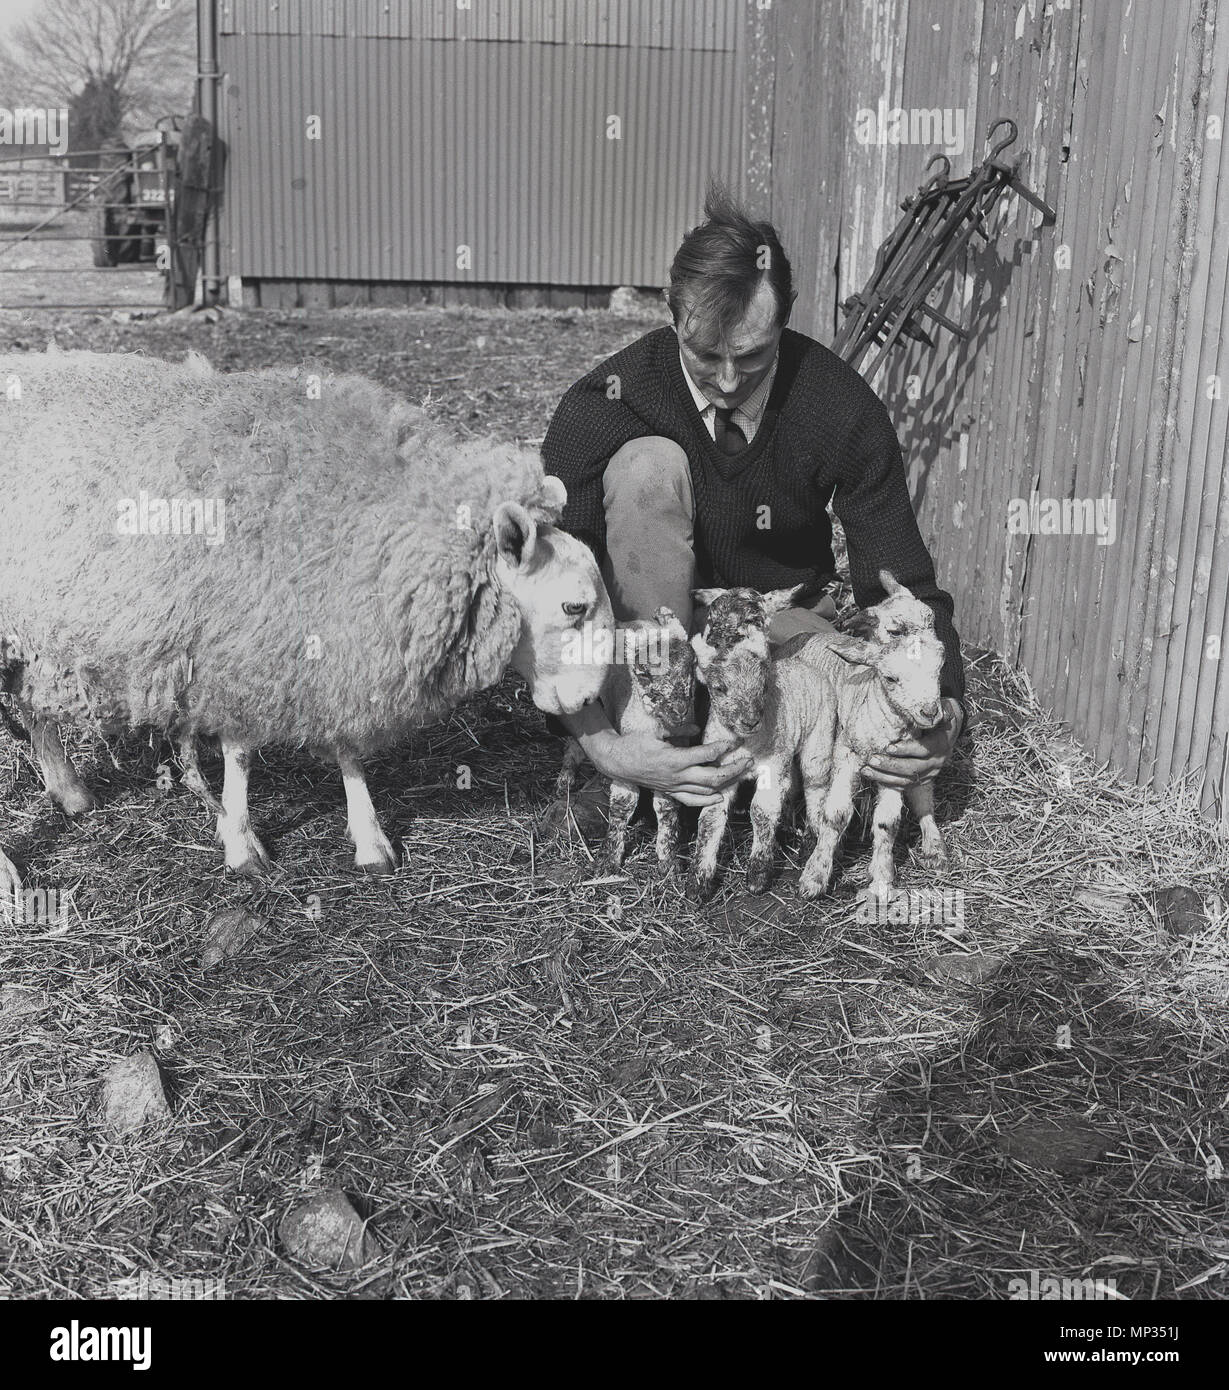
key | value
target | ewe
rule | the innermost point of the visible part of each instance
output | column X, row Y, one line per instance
column 267, row 557
column 649, row 690
column 832, row 702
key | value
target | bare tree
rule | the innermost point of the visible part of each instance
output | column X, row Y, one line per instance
column 142, row 49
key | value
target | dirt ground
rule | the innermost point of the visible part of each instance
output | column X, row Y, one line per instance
column 530, row 1082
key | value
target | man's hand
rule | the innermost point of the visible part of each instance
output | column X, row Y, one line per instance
column 918, row 758
column 695, row 776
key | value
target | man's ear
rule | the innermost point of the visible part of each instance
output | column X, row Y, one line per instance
column 516, row 534
column 707, row 597
column 854, row 650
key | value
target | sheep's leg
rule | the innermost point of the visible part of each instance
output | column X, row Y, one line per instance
column 829, row 810
column 60, row 777
column 624, row 798
column 194, row 778
column 573, row 756
column 931, row 853
column 766, row 807
column 244, row 852
column 667, row 810
column 711, row 827
column 883, row 839
column 373, row 853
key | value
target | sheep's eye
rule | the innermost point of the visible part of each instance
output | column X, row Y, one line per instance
column 891, row 680
column 574, row 610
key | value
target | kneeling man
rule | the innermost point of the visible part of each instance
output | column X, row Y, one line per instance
column 706, row 453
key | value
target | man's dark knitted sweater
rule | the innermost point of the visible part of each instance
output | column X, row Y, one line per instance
column 825, row 436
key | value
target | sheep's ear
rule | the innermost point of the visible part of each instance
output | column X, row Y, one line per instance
column 852, row 649
column 516, row 534
column 707, row 597
column 890, row 586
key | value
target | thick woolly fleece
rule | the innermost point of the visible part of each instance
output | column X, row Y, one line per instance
column 825, row 437
column 353, row 596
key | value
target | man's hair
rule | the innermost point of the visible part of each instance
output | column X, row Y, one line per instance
column 720, row 264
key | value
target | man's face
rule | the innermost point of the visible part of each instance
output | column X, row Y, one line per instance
column 728, row 371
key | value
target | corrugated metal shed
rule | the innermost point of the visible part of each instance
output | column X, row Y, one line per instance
column 1096, row 367
column 473, row 145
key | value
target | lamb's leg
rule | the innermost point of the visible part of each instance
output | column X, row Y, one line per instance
column 372, row 851
column 573, row 756
column 244, row 852
column 766, row 807
column 194, row 778
column 624, row 798
column 60, row 778
column 931, row 853
column 828, row 811
column 710, row 829
column 883, row 839
column 667, row 811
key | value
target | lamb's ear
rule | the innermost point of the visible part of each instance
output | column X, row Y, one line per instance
column 777, row 599
column 667, row 618
column 890, row 586
column 854, row 650
column 703, row 653
column 516, row 534
column 707, row 597
column 554, row 495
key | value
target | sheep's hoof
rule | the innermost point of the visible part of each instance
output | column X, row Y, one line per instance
column 758, row 877
column 255, row 866
column 377, row 868
column 247, row 856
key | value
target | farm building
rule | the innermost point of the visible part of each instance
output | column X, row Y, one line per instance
column 1067, row 459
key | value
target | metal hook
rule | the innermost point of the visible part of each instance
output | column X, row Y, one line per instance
column 947, row 165
column 1006, row 141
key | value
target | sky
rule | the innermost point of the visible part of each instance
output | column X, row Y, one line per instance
column 13, row 10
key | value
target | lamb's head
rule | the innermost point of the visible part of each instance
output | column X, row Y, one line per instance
column 732, row 652
column 897, row 639
column 663, row 668
column 567, row 626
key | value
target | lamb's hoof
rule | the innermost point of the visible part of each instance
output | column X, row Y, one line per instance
column 75, row 801
column 608, row 866
column 759, row 876
column 813, row 887
column 700, row 889
column 376, row 868
column 932, row 857
column 880, row 890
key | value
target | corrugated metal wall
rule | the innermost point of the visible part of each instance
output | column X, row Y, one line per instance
column 486, row 128
column 1096, row 367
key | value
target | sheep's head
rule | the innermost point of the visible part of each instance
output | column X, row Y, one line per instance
column 897, row 639
column 567, row 627
column 732, row 652
column 663, row 669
